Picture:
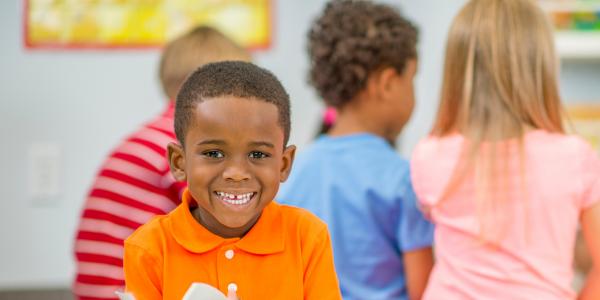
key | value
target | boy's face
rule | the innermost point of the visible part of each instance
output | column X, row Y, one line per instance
column 405, row 95
column 233, row 161
column 407, row 90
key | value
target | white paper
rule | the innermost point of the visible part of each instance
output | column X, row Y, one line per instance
column 203, row 291
column 125, row 296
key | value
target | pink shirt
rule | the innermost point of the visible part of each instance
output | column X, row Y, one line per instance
column 534, row 258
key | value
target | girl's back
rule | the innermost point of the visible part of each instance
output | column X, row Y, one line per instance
column 504, row 185
column 552, row 178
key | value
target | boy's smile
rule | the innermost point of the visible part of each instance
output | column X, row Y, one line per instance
column 235, row 199
column 233, row 160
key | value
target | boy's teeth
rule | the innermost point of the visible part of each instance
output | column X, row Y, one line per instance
column 235, row 198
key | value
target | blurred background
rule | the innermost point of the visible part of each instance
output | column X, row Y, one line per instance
column 63, row 108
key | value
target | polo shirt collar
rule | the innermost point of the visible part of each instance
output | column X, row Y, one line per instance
column 265, row 237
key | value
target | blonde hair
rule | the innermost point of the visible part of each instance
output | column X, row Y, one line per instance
column 500, row 80
column 197, row 47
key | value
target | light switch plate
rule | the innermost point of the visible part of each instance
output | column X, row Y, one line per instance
column 45, row 173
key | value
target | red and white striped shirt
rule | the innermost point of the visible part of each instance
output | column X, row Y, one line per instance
column 133, row 185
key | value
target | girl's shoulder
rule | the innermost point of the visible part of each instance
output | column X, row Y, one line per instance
column 439, row 147
column 448, row 145
column 568, row 144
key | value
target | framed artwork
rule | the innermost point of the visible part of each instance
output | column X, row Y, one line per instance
column 98, row 24
column 577, row 25
column 585, row 121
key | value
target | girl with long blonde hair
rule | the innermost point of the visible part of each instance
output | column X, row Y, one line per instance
column 503, row 183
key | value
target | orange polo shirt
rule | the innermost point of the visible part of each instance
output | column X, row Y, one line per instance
column 286, row 255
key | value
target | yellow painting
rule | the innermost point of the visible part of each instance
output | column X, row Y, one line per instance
column 141, row 23
column 585, row 119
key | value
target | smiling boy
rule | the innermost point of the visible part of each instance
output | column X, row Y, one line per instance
column 232, row 121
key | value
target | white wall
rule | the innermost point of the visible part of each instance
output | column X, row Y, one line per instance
column 433, row 27
column 85, row 101
column 82, row 101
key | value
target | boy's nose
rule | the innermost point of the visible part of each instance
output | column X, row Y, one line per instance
column 236, row 172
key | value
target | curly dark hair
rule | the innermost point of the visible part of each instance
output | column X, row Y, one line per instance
column 352, row 39
column 230, row 78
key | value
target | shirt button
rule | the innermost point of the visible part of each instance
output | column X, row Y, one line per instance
column 229, row 254
column 232, row 287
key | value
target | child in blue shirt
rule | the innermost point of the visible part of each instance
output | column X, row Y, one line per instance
column 363, row 60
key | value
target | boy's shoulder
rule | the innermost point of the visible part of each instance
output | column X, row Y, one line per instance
column 300, row 220
column 150, row 235
column 374, row 152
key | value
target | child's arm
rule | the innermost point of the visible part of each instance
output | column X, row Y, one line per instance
column 142, row 273
column 582, row 259
column 590, row 224
column 417, row 266
column 415, row 236
column 320, row 279
column 590, row 219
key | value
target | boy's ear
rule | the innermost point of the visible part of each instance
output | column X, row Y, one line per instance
column 380, row 82
column 176, row 161
column 288, row 160
column 386, row 81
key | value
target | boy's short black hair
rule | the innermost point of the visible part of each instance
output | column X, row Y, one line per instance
column 352, row 39
column 230, row 78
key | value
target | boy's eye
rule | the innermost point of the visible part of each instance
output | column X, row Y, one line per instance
column 258, row 154
column 213, row 154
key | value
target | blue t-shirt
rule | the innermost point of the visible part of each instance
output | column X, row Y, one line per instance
column 361, row 188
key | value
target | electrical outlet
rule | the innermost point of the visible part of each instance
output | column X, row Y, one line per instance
column 45, row 170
